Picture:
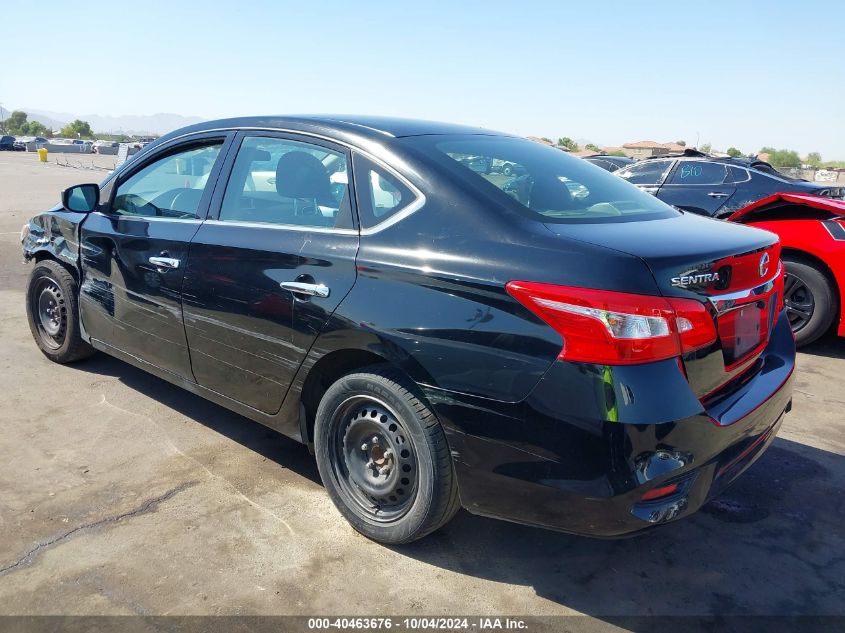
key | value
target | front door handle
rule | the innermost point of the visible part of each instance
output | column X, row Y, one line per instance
column 164, row 263
column 312, row 290
column 718, row 194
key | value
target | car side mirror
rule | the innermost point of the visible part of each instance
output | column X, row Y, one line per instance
column 81, row 198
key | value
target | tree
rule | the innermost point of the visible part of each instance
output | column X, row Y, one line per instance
column 81, row 129
column 568, row 143
column 706, row 148
column 734, row 152
column 16, row 123
column 36, row 128
column 681, row 143
column 814, row 159
column 592, row 147
column 617, row 152
column 782, row 157
column 546, row 138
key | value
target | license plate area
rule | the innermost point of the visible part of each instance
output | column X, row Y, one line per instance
column 744, row 330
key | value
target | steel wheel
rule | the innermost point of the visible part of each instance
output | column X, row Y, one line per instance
column 798, row 301
column 373, row 459
column 51, row 312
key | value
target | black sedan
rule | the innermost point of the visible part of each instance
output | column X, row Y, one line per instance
column 7, row 143
column 571, row 353
column 715, row 186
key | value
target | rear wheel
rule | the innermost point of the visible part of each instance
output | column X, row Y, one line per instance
column 808, row 297
column 383, row 457
column 53, row 314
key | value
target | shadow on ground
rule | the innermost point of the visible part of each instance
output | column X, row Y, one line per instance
column 254, row 436
column 830, row 345
column 772, row 544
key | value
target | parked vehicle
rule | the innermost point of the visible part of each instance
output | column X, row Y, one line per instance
column 7, row 143
column 20, row 143
column 506, row 168
column 812, row 233
column 599, row 364
column 814, row 268
column 610, row 163
column 105, row 147
column 713, row 186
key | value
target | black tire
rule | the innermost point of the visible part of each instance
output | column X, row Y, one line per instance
column 383, row 457
column 52, row 310
column 809, row 300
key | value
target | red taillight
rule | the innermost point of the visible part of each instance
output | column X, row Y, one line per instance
column 694, row 324
column 657, row 493
column 617, row 328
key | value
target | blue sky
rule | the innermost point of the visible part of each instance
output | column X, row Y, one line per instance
column 731, row 73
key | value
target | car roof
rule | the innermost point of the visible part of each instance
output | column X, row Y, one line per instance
column 339, row 126
column 694, row 154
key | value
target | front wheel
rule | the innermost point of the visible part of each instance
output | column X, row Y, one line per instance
column 808, row 298
column 53, row 313
column 383, row 457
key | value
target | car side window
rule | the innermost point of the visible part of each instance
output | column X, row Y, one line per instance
column 737, row 174
column 380, row 193
column 170, row 187
column 647, row 172
column 696, row 172
column 287, row 182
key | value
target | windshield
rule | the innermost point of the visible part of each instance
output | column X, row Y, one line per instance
column 543, row 183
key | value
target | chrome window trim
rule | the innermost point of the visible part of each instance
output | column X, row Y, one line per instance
column 290, row 227
column 146, row 218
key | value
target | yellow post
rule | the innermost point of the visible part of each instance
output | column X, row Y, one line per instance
column 42, row 154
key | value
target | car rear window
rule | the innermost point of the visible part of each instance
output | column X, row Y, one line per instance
column 541, row 182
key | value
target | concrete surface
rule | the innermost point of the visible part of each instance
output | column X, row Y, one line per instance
column 121, row 494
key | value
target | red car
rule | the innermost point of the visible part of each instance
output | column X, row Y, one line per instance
column 812, row 235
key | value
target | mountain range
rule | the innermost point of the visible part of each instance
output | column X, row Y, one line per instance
column 125, row 124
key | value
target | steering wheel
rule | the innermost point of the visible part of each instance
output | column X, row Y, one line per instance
column 310, row 209
column 174, row 206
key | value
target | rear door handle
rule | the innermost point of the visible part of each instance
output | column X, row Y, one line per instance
column 718, row 194
column 164, row 263
column 312, row 290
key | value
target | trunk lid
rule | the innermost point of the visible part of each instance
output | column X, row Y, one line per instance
column 733, row 269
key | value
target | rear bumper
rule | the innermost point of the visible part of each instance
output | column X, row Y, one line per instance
column 579, row 453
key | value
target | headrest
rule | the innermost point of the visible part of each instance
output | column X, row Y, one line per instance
column 550, row 194
column 301, row 175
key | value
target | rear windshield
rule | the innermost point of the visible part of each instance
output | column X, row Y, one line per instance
column 541, row 182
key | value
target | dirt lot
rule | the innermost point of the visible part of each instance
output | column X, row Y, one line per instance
column 121, row 494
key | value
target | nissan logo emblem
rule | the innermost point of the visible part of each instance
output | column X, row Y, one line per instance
column 764, row 264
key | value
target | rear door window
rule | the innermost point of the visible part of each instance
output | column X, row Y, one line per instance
column 288, row 182
column 695, row 172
